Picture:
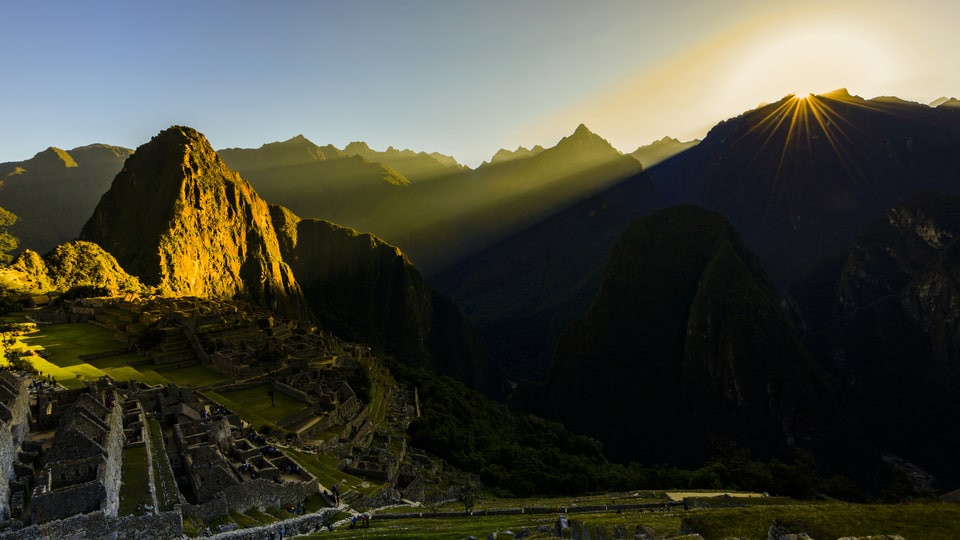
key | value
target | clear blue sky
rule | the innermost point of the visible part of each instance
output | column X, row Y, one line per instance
column 463, row 78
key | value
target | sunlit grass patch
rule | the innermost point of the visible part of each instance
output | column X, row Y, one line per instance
column 133, row 374
column 65, row 343
column 256, row 400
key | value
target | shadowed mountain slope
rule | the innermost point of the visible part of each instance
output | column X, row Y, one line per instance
column 525, row 290
column 885, row 321
column 685, row 348
column 661, row 150
column 55, row 191
column 367, row 290
column 802, row 176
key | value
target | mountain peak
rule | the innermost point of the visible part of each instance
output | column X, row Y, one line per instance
column 357, row 147
column 582, row 131
column 54, row 155
column 149, row 221
column 839, row 93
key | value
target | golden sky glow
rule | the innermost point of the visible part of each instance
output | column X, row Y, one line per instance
column 462, row 78
column 760, row 60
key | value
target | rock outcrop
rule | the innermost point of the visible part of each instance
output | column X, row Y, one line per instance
column 367, row 290
column 73, row 264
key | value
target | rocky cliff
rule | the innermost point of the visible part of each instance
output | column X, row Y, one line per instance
column 885, row 320
column 73, row 264
column 685, row 347
column 180, row 220
column 367, row 290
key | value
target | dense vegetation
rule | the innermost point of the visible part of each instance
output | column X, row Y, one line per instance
column 521, row 455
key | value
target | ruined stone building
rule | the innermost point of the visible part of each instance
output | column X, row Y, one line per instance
column 15, row 418
column 81, row 471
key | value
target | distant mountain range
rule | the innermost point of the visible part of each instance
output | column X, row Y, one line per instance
column 437, row 211
column 54, row 192
column 788, row 284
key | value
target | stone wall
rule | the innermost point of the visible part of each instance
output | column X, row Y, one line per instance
column 207, row 511
column 293, row 392
column 261, row 493
column 60, row 503
column 11, row 435
column 113, row 465
column 161, row 526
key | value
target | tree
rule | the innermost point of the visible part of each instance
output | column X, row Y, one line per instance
column 468, row 497
column 8, row 242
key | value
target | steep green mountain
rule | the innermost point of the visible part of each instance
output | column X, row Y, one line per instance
column 885, row 321
column 685, row 348
column 660, row 150
column 413, row 165
column 54, row 192
column 367, row 290
column 73, row 264
column 181, row 221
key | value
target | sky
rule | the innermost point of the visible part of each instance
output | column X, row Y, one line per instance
column 463, row 78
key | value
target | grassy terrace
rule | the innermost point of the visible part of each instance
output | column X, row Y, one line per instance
column 135, row 488
column 324, row 468
column 64, row 345
column 253, row 404
column 166, row 484
column 926, row 520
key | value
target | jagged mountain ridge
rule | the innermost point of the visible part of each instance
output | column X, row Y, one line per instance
column 413, row 165
column 54, row 192
column 439, row 220
column 661, row 150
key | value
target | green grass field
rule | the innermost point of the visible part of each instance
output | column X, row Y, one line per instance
column 254, row 406
column 324, row 468
column 135, row 487
column 197, row 375
column 919, row 520
column 67, row 342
